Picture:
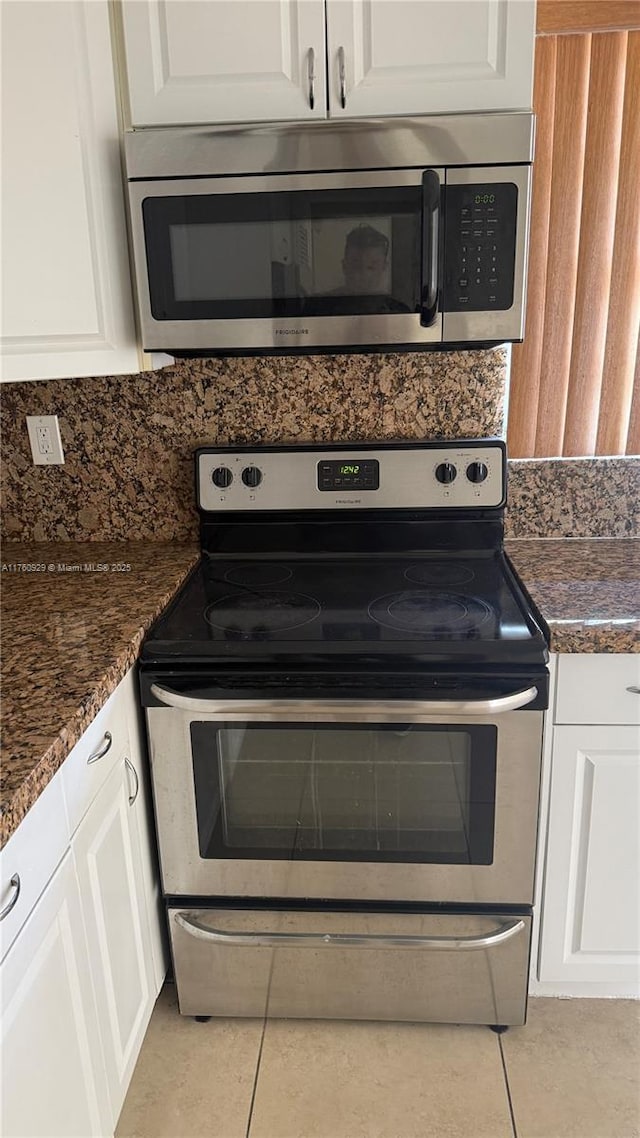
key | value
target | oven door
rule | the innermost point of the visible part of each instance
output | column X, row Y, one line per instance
column 281, row 262
column 400, row 801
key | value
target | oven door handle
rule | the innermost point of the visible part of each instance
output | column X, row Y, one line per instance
column 201, row 931
column 364, row 710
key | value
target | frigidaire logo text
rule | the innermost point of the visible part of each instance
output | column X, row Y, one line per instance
column 348, row 501
column 292, row 331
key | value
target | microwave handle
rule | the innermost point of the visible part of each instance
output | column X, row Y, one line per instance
column 430, row 246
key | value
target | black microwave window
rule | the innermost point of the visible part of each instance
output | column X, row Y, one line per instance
column 285, row 254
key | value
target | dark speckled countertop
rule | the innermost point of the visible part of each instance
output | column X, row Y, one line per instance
column 588, row 590
column 70, row 635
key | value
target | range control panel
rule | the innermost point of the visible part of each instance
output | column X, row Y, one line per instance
column 459, row 475
column 480, row 229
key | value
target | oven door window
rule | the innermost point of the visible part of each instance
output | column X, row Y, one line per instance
column 286, row 254
column 392, row 793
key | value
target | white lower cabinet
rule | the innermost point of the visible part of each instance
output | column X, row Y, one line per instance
column 86, row 960
column 590, row 927
column 52, row 1071
column 106, row 851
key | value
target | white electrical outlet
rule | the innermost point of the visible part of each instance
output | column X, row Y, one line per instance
column 44, row 436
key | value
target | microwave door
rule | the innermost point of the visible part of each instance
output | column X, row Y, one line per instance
column 277, row 263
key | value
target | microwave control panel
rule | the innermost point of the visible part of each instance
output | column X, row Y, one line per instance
column 480, row 239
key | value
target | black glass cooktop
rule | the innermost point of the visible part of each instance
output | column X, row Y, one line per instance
column 427, row 607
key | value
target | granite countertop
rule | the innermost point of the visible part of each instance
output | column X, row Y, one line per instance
column 69, row 635
column 588, row 590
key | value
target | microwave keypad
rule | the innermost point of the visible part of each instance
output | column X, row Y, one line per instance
column 480, row 238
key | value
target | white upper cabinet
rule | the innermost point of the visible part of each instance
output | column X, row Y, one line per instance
column 67, row 308
column 409, row 57
column 216, row 61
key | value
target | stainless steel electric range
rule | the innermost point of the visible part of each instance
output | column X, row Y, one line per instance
column 344, row 707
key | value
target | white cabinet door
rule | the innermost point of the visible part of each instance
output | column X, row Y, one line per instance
column 143, row 815
column 591, row 915
column 67, row 307
column 217, row 61
column 403, row 57
column 52, row 1072
column 107, row 857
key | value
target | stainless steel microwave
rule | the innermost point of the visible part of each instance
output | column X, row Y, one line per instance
column 370, row 235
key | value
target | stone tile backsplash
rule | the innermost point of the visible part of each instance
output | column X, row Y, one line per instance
column 129, row 440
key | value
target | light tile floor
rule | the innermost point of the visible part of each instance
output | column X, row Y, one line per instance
column 572, row 1072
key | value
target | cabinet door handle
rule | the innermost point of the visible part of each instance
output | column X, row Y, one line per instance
column 15, row 884
column 130, row 766
column 634, row 690
column 311, row 61
column 101, row 752
column 342, row 74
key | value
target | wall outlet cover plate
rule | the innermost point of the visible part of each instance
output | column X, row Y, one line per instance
column 44, row 436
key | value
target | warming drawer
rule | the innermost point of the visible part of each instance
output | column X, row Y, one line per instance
column 448, row 968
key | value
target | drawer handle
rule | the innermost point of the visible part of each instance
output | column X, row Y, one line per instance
column 130, row 766
column 101, row 752
column 634, row 690
column 15, row 884
column 347, row 940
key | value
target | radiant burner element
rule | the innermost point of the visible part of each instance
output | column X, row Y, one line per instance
column 258, row 573
column 424, row 612
column 439, row 573
column 271, row 610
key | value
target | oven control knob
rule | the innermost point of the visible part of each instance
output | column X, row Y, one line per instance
column 446, row 472
column 477, row 472
column 222, row 477
column 251, row 476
